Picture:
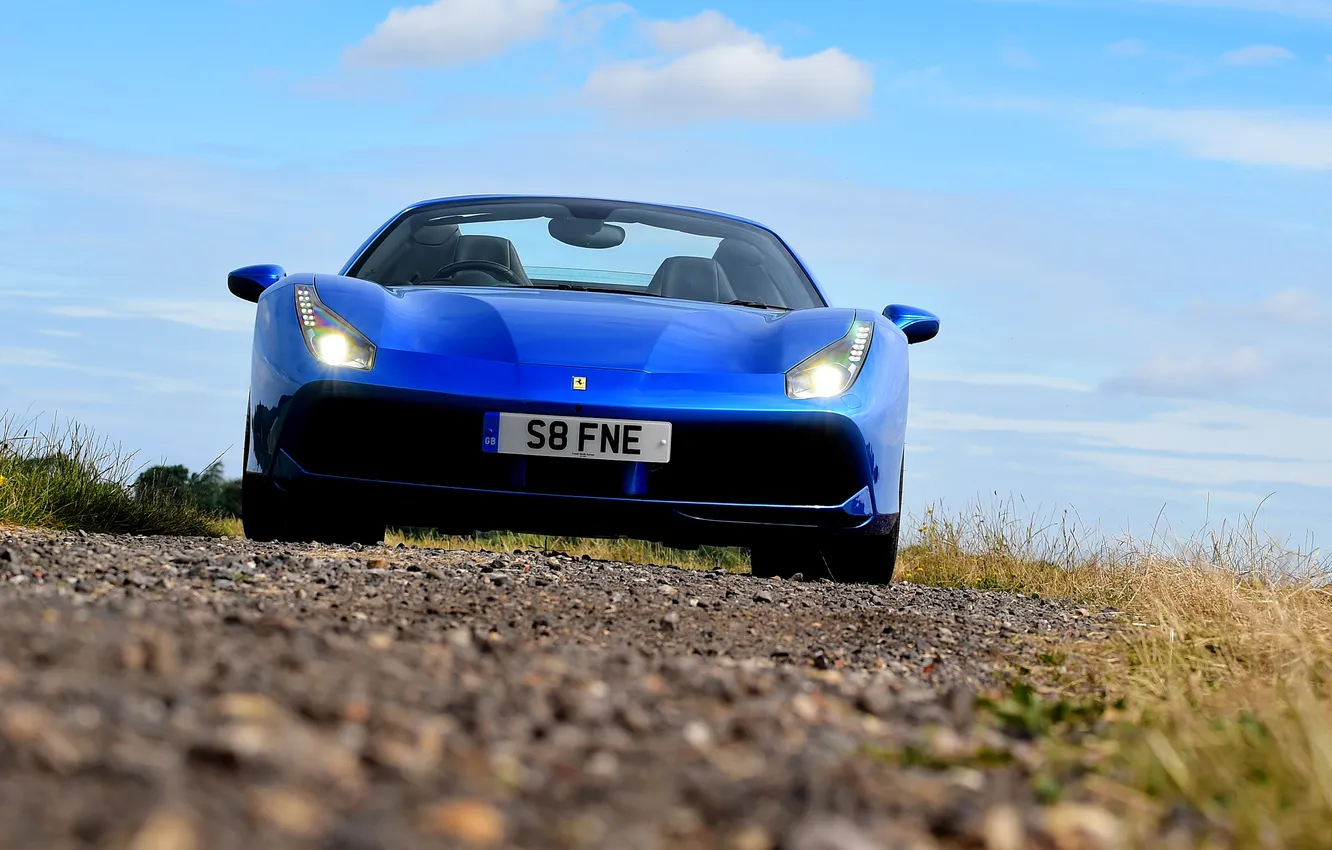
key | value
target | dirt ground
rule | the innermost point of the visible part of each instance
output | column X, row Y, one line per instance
column 183, row 694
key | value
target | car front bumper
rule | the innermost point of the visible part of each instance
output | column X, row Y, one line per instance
column 736, row 476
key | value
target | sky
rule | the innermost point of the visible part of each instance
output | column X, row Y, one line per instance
column 1121, row 209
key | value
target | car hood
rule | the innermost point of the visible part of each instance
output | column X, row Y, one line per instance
column 587, row 329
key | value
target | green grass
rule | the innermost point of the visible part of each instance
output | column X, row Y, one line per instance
column 70, row 479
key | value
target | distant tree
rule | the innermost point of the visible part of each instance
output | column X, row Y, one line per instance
column 206, row 487
column 163, row 482
column 231, row 498
column 209, row 490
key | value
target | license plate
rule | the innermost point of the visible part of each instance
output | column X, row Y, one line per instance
column 577, row 436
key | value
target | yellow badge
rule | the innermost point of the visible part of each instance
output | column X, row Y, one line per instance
column 580, row 383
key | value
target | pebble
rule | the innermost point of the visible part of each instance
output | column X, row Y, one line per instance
column 475, row 823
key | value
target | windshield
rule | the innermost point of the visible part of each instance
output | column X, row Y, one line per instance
column 601, row 246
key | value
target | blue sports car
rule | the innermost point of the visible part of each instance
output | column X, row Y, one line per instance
column 579, row 367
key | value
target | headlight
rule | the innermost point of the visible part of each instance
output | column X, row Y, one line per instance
column 833, row 370
column 330, row 338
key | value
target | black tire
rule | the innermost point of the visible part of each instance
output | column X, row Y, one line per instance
column 268, row 514
column 864, row 559
column 262, row 511
column 871, row 559
column 783, row 561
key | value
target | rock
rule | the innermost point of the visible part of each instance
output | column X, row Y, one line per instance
column 167, row 829
column 473, row 822
column 821, row 832
column 1002, row 829
column 763, row 596
column 875, row 699
column 698, row 735
column 1073, row 826
column 749, row 836
column 290, row 811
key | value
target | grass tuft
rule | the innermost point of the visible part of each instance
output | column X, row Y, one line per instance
column 68, row 478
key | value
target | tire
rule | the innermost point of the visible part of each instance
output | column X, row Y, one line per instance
column 866, row 559
column 783, row 561
column 268, row 514
column 262, row 511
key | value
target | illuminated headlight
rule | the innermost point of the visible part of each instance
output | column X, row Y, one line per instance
column 833, row 370
column 330, row 338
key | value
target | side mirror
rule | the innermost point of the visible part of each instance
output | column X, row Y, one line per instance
column 249, row 283
column 918, row 325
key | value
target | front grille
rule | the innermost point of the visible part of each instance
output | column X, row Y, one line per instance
column 761, row 463
column 818, row 462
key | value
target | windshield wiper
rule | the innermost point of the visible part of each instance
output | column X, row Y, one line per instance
column 760, row 305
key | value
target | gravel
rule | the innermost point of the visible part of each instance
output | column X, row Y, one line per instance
column 182, row 694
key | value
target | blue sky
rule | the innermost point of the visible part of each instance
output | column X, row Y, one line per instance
column 1121, row 208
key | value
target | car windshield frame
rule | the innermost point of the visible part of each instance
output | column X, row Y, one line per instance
column 680, row 219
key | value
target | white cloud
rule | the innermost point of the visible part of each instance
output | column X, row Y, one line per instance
column 1005, row 379
column 712, row 69
column 1316, row 9
column 1215, row 429
column 1198, row 376
column 1127, row 47
column 1015, row 57
column 1257, row 55
column 1211, row 472
column 1295, row 307
column 704, row 30
column 206, row 315
column 452, row 32
column 1249, row 138
column 29, row 358
column 36, row 358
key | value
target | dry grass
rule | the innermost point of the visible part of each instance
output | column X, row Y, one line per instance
column 1222, row 665
column 629, row 551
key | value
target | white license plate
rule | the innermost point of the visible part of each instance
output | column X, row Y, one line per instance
column 577, row 436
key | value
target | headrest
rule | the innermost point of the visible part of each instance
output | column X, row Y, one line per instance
column 435, row 234
column 496, row 249
column 732, row 250
column 692, row 279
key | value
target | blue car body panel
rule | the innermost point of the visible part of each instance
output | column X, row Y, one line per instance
column 406, row 435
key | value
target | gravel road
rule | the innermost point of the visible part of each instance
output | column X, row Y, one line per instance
column 190, row 694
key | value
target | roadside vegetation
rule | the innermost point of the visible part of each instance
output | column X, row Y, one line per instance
column 70, row 479
column 1207, row 709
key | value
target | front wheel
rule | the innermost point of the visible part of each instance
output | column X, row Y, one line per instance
column 865, row 559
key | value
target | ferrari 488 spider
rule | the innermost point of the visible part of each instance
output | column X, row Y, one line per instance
column 572, row 366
